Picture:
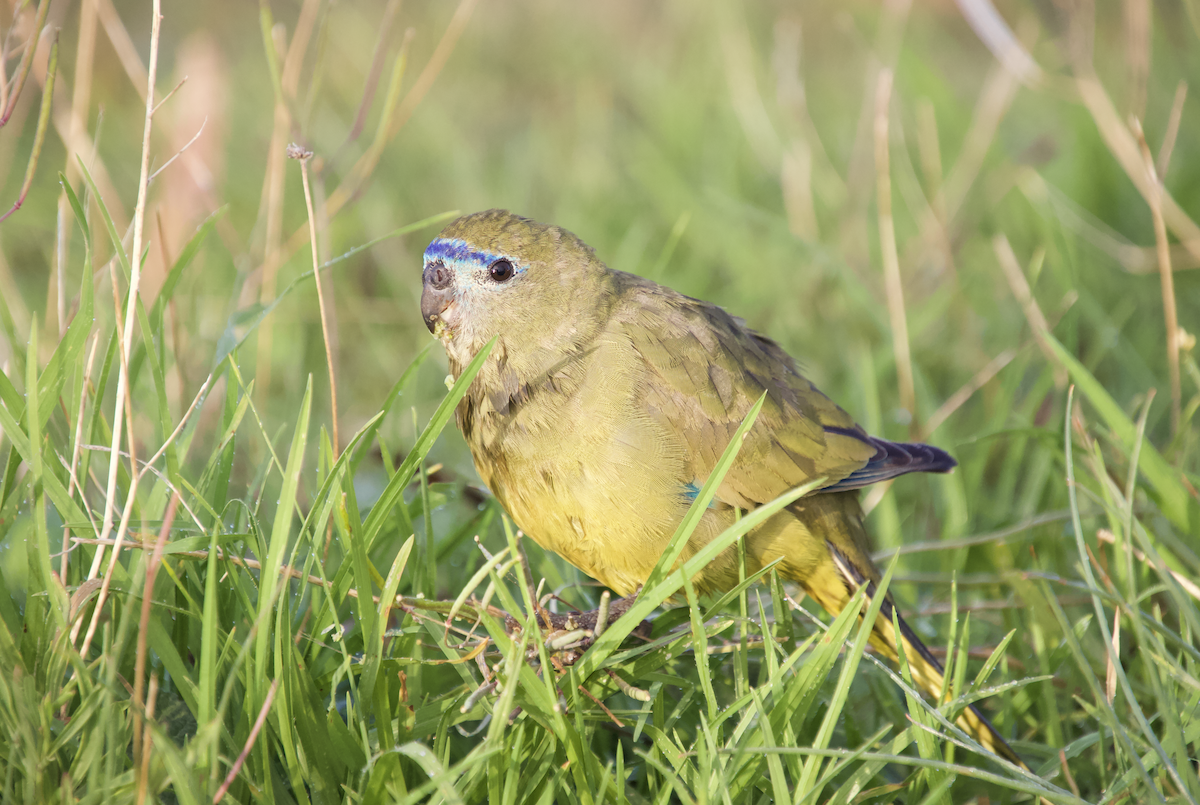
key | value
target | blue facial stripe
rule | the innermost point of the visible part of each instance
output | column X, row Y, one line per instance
column 458, row 250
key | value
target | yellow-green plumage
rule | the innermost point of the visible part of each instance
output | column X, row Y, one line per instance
column 607, row 398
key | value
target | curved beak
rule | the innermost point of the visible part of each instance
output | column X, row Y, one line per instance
column 437, row 293
column 433, row 303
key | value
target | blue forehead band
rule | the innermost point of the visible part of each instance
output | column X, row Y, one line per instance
column 459, row 250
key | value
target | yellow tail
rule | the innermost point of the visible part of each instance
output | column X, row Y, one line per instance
column 926, row 670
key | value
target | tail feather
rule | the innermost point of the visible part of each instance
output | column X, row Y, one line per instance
column 891, row 459
column 926, row 670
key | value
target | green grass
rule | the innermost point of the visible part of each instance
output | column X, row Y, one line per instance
column 282, row 617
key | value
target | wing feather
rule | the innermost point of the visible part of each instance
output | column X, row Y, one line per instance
column 704, row 371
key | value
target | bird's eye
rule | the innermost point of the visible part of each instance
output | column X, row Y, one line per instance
column 501, row 270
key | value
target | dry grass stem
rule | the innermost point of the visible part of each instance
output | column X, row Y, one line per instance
column 1070, row 778
column 143, row 768
column 163, row 101
column 1112, row 658
column 176, row 156
column 147, row 466
column 1132, row 258
column 43, row 121
column 73, row 478
column 85, row 52
column 298, row 153
column 1024, row 295
column 1189, row 586
column 999, row 38
column 1166, row 277
column 889, row 256
column 122, row 43
column 1172, row 133
column 122, row 401
column 956, row 400
column 18, row 82
column 994, row 102
column 139, row 667
column 1124, row 148
column 275, row 254
column 1137, row 54
column 935, row 229
column 392, row 124
column 237, row 764
column 375, row 71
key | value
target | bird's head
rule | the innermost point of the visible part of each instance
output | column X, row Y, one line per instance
column 495, row 273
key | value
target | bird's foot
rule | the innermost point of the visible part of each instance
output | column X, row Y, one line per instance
column 569, row 635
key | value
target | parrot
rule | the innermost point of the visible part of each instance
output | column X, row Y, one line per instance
column 606, row 401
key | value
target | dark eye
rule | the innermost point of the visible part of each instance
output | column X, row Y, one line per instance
column 501, row 270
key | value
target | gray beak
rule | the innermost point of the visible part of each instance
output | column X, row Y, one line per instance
column 437, row 293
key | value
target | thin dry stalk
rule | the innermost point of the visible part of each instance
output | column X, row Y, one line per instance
column 294, row 60
column 796, row 181
column 1062, row 761
column 162, row 101
column 1188, row 586
column 1124, row 148
column 995, row 99
column 935, row 229
column 995, row 34
column 1024, row 295
column 787, row 66
column 875, row 495
column 887, row 248
column 70, row 126
column 122, row 528
column 147, row 743
column 85, row 53
column 122, row 401
column 275, row 254
column 1137, row 53
column 956, row 400
column 444, row 610
column 1114, row 656
column 373, row 74
column 4, row 56
column 139, row 665
column 43, row 122
column 296, row 152
column 26, row 61
column 237, row 764
column 73, row 481
column 1166, row 277
column 122, row 43
column 365, row 166
column 59, row 282
column 358, row 175
column 1168, row 143
column 178, row 153
column 147, row 466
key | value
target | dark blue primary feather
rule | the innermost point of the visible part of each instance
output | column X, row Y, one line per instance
column 890, row 460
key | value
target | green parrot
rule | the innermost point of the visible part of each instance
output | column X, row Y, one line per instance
column 608, row 399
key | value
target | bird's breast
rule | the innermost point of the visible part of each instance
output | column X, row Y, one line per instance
column 584, row 470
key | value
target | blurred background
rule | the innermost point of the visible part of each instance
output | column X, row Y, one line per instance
column 908, row 196
column 728, row 150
